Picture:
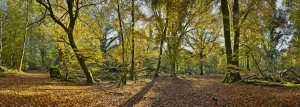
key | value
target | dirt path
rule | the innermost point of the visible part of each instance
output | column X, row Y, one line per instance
column 36, row 88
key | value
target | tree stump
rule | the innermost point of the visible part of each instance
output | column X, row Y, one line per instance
column 54, row 72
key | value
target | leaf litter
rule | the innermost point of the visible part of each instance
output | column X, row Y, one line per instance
column 38, row 89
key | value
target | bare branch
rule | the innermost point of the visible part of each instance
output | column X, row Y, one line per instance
column 87, row 25
column 94, row 4
column 59, row 6
column 65, row 41
column 63, row 15
column 40, row 20
column 49, row 8
column 77, row 10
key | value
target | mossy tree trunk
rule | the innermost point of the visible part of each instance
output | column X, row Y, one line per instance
column 230, row 75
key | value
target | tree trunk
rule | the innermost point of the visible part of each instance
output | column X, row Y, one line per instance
column 159, row 59
column 80, row 58
column 11, row 62
column 1, row 35
column 248, row 61
column 201, row 63
column 226, row 29
column 161, row 47
column 123, row 77
column 173, row 69
column 201, row 69
column 235, row 19
column 24, row 42
column 23, row 50
column 132, row 41
column 63, row 59
column 230, row 76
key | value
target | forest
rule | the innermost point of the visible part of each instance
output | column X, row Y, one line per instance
column 149, row 53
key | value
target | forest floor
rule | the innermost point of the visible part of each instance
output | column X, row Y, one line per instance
column 35, row 88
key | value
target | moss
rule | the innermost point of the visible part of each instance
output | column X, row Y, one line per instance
column 55, row 73
column 3, row 74
column 267, row 83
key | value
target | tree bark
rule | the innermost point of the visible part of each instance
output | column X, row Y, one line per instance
column 248, row 61
column 12, row 57
column 63, row 59
column 132, row 41
column 226, row 29
column 24, row 39
column 23, row 49
column 230, row 76
column 235, row 19
column 1, row 35
column 123, row 77
column 201, row 62
column 173, row 69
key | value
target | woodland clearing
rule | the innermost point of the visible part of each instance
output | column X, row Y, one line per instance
column 34, row 88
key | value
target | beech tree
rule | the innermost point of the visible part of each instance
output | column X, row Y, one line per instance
column 72, row 9
column 231, row 76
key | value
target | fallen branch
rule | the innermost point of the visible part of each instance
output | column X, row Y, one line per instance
column 267, row 83
column 248, row 77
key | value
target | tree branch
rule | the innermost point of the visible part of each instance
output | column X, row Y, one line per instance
column 89, row 5
column 49, row 8
column 38, row 21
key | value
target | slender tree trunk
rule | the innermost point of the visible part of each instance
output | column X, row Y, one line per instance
column 248, row 61
column 173, row 69
column 1, row 35
column 132, row 41
column 24, row 38
column 161, row 47
column 123, row 77
column 201, row 63
column 230, row 76
column 159, row 59
column 63, row 59
column 23, row 50
column 11, row 62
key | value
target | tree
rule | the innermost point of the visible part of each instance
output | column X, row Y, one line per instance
column 69, row 28
column 230, row 76
column 123, row 78
column 27, row 25
column 202, row 38
column 162, row 26
column 132, row 41
column 178, row 28
column 1, row 32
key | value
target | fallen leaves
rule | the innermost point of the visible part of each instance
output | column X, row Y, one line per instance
column 38, row 89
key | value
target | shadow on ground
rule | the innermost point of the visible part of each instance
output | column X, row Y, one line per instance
column 139, row 96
